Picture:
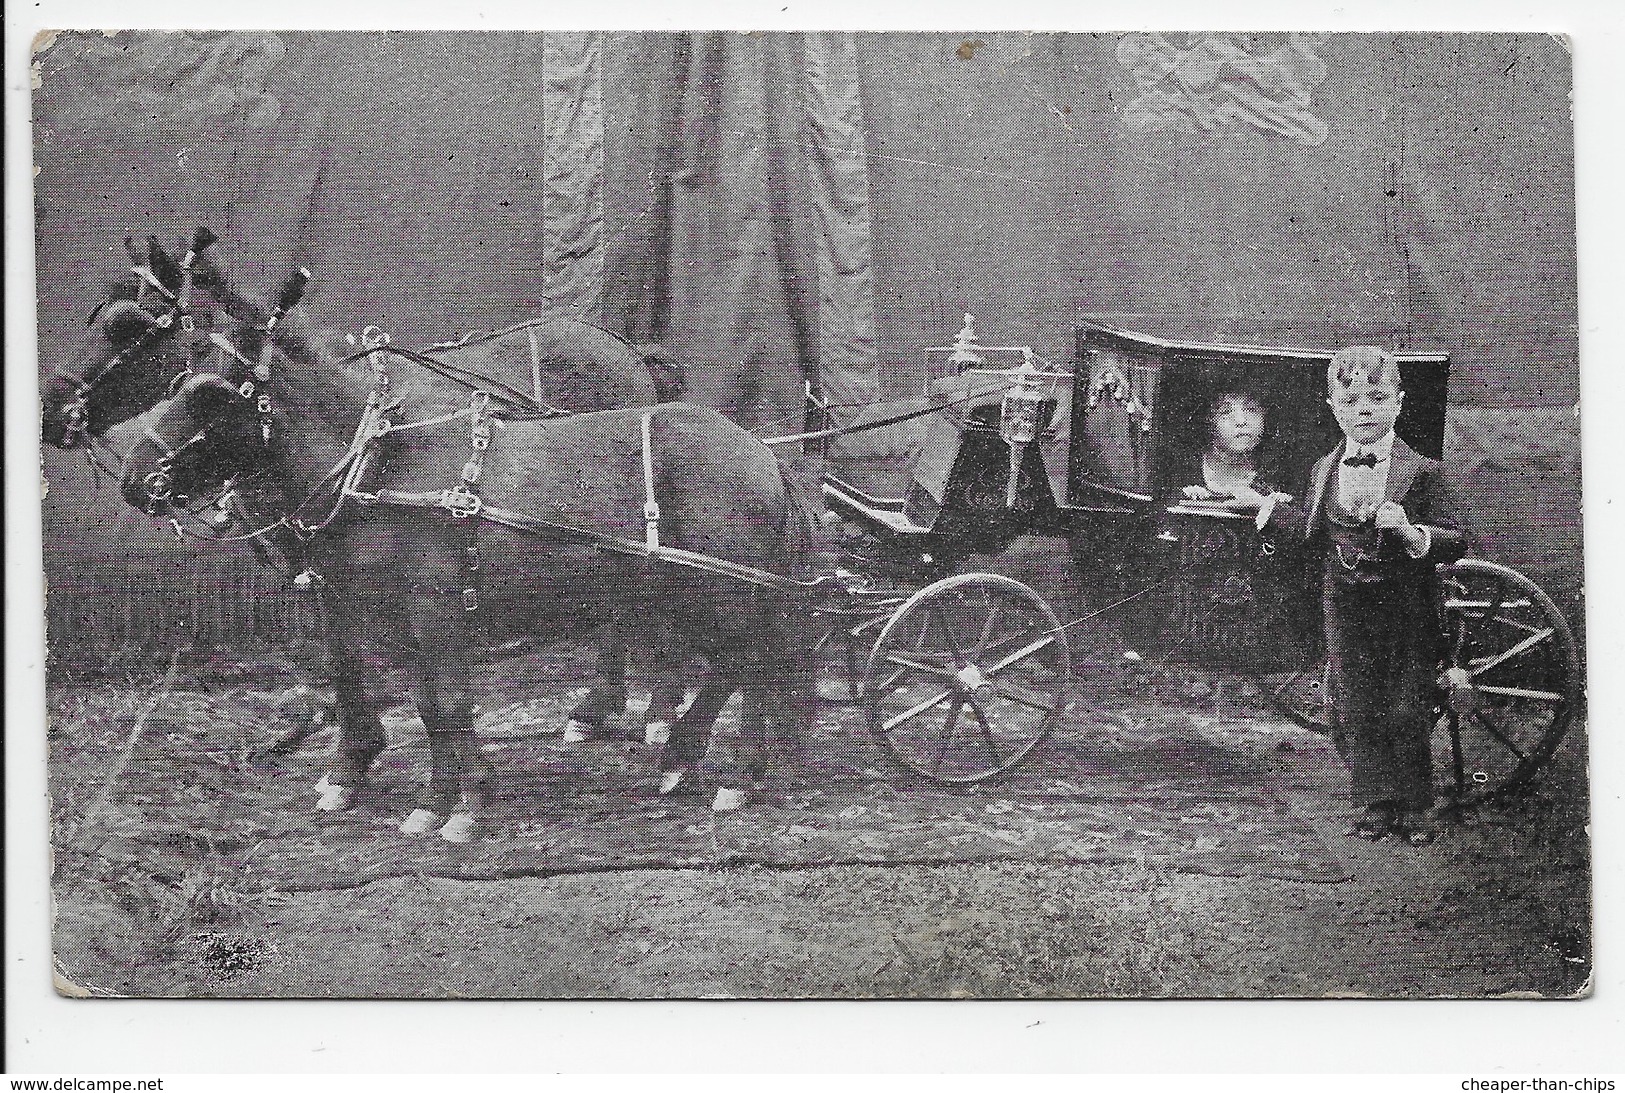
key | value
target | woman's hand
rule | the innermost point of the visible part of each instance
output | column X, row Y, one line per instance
column 1246, row 495
column 1198, row 493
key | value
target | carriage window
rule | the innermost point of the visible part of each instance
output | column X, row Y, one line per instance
column 1122, row 398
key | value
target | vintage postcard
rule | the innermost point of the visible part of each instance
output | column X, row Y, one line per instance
column 556, row 515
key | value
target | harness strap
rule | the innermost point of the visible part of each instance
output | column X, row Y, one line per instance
column 847, row 430
column 613, row 544
column 153, row 283
column 535, row 364
column 651, row 507
column 225, row 346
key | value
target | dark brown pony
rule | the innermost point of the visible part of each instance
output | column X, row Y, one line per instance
column 408, row 568
column 142, row 340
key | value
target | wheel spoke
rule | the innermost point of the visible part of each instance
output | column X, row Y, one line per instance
column 1499, row 735
column 1020, row 655
column 987, row 626
column 890, row 681
column 1006, row 640
column 902, row 659
column 988, row 739
column 1520, row 692
column 1517, row 624
column 948, row 633
column 913, row 711
column 1485, row 606
column 1015, row 692
column 1486, row 663
column 949, row 724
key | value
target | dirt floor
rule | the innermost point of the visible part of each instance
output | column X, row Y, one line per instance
column 1500, row 905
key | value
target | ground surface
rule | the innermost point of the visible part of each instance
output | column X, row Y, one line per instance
column 1499, row 905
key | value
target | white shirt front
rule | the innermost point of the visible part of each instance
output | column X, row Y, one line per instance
column 1361, row 489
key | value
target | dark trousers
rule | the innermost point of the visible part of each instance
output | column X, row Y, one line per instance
column 1380, row 638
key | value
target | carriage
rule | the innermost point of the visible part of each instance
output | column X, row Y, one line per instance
column 963, row 678
column 1093, row 451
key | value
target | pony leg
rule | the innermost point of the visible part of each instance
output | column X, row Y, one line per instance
column 691, row 734
column 666, row 690
column 608, row 697
column 445, row 701
column 665, row 698
column 361, row 735
column 733, row 791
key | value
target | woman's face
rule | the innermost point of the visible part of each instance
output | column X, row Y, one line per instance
column 1238, row 424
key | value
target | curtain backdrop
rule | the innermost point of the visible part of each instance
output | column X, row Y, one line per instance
column 777, row 208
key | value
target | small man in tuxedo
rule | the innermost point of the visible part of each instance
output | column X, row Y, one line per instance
column 1380, row 516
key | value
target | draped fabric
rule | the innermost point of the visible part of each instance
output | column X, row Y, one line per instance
column 573, row 170
column 784, row 208
column 1122, row 400
column 837, row 132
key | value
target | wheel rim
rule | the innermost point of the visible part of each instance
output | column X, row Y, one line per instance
column 967, row 678
column 1510, row 683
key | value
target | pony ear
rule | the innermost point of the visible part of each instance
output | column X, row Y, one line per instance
column 165, row 268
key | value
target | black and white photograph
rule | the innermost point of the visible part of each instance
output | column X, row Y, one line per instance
column 810, row 514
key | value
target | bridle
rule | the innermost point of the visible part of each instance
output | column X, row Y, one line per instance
column 176, row 315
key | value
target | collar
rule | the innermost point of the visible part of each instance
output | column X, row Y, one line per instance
column 1382, row 449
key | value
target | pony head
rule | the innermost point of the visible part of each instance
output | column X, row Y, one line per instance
column 139, row 342
column 208, row 433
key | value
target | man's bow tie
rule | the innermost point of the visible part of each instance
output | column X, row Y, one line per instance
column 1369, row 459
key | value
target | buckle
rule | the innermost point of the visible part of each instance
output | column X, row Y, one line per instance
column 471, row 599
column 461, row 503
column 187, row 324
column 651, row 511
column 471, row 471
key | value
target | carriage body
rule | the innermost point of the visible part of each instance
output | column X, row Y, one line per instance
column 1124, row 428
column 1225, row 594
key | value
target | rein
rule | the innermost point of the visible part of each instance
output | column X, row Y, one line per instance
column 848, row 430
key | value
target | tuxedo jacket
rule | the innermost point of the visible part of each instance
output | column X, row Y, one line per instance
column 1415, row 482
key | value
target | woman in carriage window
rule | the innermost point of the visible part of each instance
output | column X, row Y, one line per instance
column 1228, row 471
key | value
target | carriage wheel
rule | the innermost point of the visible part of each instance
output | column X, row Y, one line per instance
column 967, row 677
column 1510, row 684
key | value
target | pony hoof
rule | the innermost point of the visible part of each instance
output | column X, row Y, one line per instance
column 671, row 780
column 657, row 732
column 458, row 829
column 419, row 822
column 576, row 732
column 335, row 798
column 727, row 800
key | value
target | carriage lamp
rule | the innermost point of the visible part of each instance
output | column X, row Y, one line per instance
column 1024, row 414
column 965, row 355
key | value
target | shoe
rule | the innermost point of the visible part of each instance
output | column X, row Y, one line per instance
column 1415, row 829
column 1377, row 823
